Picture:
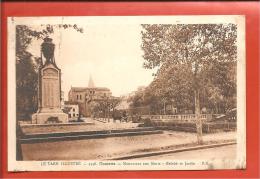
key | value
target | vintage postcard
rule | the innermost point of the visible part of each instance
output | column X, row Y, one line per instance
column 101, row 93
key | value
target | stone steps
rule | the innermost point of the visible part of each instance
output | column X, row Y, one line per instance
column 50, row 137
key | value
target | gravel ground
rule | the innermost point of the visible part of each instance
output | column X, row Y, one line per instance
column 95, row 149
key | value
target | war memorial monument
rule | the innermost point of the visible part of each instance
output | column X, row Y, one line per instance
column 49, row 88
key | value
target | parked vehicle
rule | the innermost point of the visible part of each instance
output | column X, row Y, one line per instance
column 231, row 115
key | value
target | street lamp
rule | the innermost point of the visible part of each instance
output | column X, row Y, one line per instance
column 195, row 69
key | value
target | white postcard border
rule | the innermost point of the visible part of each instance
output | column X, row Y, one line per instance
column 240, row 162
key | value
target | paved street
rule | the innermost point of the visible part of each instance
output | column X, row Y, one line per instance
column 90, row 149
column 224, row 152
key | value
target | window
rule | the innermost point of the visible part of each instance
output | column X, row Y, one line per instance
column 73, row 115
column 73, row 109
column 69, row 115
column 79, row 96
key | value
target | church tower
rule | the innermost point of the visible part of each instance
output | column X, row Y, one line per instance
column 91, row 82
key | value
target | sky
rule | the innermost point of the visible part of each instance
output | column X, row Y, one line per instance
column 110, row 53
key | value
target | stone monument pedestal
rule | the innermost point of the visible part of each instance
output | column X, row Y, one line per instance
column 49, row 107
column 47, row 118
column 49, row 89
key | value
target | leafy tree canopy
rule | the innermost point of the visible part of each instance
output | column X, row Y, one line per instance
column 193, row 60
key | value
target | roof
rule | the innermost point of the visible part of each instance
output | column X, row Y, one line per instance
column 99, row 89
column 78, row 89
column 70, row 103
column 82, row 89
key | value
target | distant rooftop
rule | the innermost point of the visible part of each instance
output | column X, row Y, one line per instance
column 87, row 88
column 91, row 86
column 70, row 103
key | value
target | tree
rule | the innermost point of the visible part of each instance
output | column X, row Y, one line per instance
column 103, row 107
column 199, row 48
column 170, row 85
column 114, row 102
column 27, row 66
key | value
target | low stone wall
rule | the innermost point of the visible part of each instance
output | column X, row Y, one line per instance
column 61, row 136
column 55, row 124
column 207, row 127
column 35, row 128
column 104, row 120
column 220, row 126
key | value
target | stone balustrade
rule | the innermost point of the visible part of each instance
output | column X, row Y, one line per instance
column 180, row 117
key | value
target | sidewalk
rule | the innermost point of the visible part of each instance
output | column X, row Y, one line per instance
column 190, row 148
column 114, row 147
column 181, row 141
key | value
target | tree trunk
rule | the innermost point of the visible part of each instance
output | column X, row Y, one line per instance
column 198, row 118
column 164, row 108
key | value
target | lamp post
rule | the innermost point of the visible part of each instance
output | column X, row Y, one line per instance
column 107, row 108
column 195, row 70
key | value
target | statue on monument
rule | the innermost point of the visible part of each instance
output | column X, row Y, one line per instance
column 49, row 88
column 47, row 49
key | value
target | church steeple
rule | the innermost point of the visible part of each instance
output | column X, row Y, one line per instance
column 91, row 82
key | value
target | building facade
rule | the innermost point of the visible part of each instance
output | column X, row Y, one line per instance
column 72, row 109
column 86, row 97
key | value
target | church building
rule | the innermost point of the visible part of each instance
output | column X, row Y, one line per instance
column 85, row 97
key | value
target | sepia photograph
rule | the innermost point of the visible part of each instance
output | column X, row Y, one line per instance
column 126, row 93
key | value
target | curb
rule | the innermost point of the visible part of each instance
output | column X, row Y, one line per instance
column 39, row 139
column 56, row 124
column 148, row 154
